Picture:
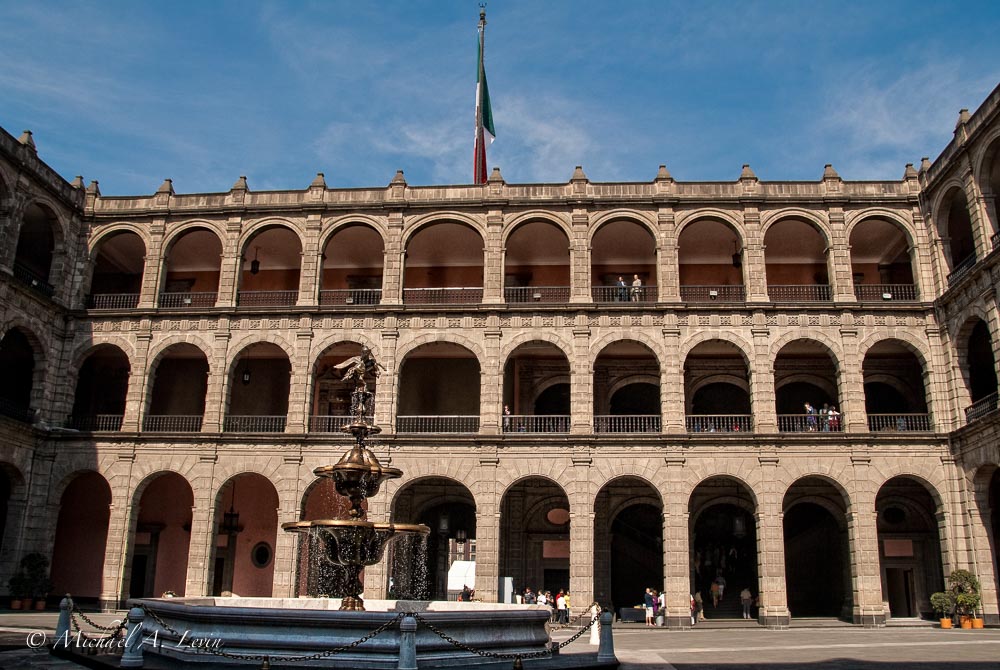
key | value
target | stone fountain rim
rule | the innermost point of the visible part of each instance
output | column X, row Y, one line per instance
column 328, row 470
column 295, row 526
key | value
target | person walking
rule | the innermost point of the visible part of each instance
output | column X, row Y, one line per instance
column 699, row 606
column 746, row 599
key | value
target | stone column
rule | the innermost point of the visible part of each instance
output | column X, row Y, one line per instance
column 936, row 381
column 217, row 388
column 231, row 264
column 839, row 258
column 579, row 258
column 139, row 384
column 121, row 528
column 851, row 382
column 200, row 559
column 676, row 546
column 286, row 545
column 672, row 379
column 862, row 530
column 298, row 402
column 493, row 259
column 153, row 266
column 491, row 385
column 393, row 262
column 762, row 405
column 488, row 528
column 985, row 561
column 771, row 548
column 668, row 262
column 310, row 268
column 376, row 577
column 754, row 260
column 982, row 229
column 581, row 532
column 581, row 389
column 385, row 390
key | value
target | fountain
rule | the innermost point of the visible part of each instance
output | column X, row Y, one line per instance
column 347, row 631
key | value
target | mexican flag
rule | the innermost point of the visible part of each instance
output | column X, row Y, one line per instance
column 485, row 134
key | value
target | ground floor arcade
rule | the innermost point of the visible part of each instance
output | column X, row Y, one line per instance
column 810, row 530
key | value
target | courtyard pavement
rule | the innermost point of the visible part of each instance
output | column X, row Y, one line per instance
column 720, row 646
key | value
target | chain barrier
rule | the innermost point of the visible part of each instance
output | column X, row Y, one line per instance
column 115, row 632
column 516, row 657
column 266, row 658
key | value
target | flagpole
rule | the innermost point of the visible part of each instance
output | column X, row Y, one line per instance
column 478, row 166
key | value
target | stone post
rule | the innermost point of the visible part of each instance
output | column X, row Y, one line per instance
column 132, row 658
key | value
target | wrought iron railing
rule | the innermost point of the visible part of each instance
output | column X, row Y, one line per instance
column 247, row 423
column 885, row 292
column 536, row 423
column 961, row 269
column 799, row 292
column 445, row 295
column 646, row 293
column 266, row 298
column 181, row 300
column 713, row 293
column 537, row 294
column 719, row 423
column 899, row 422
column 981, row 408
column 33, row 280
column 350, row 296
column 627, row 423
column 995, row 240
column 437, row 424
column 16, row 411
column 172, row 423
column 112, row 301
column 328, row 423
column 95, row 422
column 811, row 423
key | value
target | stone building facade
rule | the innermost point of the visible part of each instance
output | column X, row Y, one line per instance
column 169, row 384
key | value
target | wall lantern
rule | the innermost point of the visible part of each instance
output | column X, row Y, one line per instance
column 460, row 536
column 245, row 377
column 255, row 264
column 231, row 519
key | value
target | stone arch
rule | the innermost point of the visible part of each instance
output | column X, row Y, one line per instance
column 39, row 343
column 833, row 347
column 944, row 193
column 854, row 219
column 156, row 350
column 418, row 223
column 252, row 229
column 462, row 341
column 55, row 212
column 517, row 220
column 602, row 343
column 731, row 221
column 820, row 223
column 640, row 218
column 745, row 347
column 819, row 473
column 150, row 474
column 700, row 475
column 240, row 345
column 99, row 236
column 424, row 469
column 505, row 485
column 732, row 380
column 913, row 344
column 351, row 337
column 918, row 472
column 535, row 336
column 632, row 379
column 177, row 230
column 270, row 469
column 334, row 224
column 645, row 480
column 983, row 156
column 84, row 349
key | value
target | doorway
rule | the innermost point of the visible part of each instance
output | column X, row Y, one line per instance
column 899, row 584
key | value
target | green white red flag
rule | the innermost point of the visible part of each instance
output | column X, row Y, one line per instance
column 485, row 134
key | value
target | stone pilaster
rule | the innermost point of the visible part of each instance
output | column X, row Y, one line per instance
column 862, row 530
column 488, row 528
column 153, row 264
column 386, row 389
column 984, row 562
column 392, row 264
column 289, row 487
column 581, row 533
column 121, row 527
column 581, row 382
column 231, row 264
column 310, row 265
column 982, row 229
column 838, row 258
column 298, row 384
column 672, row 379
column 493, row 259
column 217, row 387
column 762, row 405
column 851, row 383
column 754, row 260
column 139, row 384
column 579, row 258
column 771, row 548
column 676, row 546
column 667, row 273
column 201, row 547
column 491, row 385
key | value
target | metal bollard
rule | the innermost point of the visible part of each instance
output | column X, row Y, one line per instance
column 132, row 658
column 606, row 652
column 65, row 614
column 408, row 644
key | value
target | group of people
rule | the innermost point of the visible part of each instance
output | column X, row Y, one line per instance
column 655, row 604
column 559, row 603
column 627, row 293
column 827, row 419
column 467, row 594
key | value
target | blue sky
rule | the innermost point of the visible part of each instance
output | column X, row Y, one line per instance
column 134, row 92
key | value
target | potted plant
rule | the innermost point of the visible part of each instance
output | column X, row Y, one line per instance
column 19, row 590
column 943, row 603
column 965, row 590
column 35, row 567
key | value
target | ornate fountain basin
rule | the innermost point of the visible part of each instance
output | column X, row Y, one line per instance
column 355, row 543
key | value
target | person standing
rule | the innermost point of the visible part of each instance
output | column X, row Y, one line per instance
column 746, row 599
column 636, row 288
column 622, row 290
column 506, row 418
column 529, row 597
column 561, row 608
column 648, row 602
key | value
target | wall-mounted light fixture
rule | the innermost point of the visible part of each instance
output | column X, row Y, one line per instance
column 255, row 263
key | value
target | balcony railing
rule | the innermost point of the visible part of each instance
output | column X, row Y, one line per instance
column 961, row 269
column 536, row 423
column 437, row 424
column 350, row 296
column 719, row 423
column 254, row 424
column 627, row 423
column 810, row 423
column 799, row 292
column 981, row 408
column 878, row 423
column 266, row 298
column 172, row 423
column 112, row 301
column 885, row 292
column 16, row 411
column 624, row 293
column 95, row 422
column 995, row 240
column 448, row 295
column 32, row 280
column 182, row 300
column 328, row 423
column 713, row 293
column 537, row 294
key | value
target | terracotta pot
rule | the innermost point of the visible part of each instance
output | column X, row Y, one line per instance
column 966, row 622
column 946, row 623
column 15, row 604
column 40, row 604
column 977, row 623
